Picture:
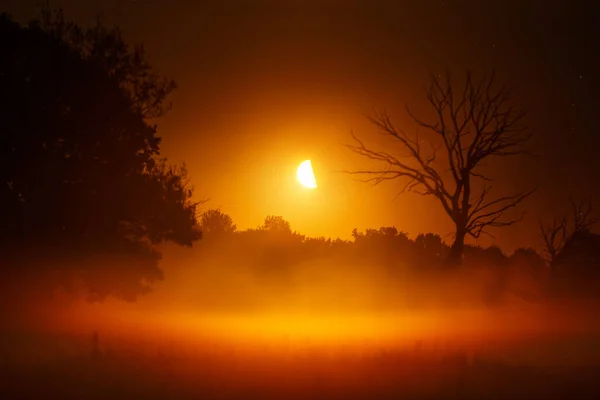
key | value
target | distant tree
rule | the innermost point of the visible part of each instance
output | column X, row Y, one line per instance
column 561, row 230
column 478, row 256
column 576, row 268
column 427, row 252
column 528, row 260
column 215, row 222
column 494, row 263
column 572, row 252
column 81, row 177
column 276, row 224
column 473, row 123
column 317, row 246
column 385, row 232
column 341, row 245
column 384, row 246
column 388, row 231
column 386, row 238
column 528, row 273
column 279, row 248
column 431, row 243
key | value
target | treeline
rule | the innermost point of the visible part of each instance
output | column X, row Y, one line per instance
column 275, row 248
column 86, row 195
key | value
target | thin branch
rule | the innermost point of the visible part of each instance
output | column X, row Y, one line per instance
column 472, row 123
column 582, row 219
column 557, row 234
column 477, row 175
column 489, row 214
column 554, row 237
column 423, row 178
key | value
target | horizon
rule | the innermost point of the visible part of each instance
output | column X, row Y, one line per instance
column 297, row 200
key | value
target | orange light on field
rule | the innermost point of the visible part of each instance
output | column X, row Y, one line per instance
column 275, row 328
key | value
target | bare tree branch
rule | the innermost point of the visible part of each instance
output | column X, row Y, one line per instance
column 423, row 178
column 558, row 233
column 490, row 214
column 554, row 237
column 582, row 215
column 473, row 124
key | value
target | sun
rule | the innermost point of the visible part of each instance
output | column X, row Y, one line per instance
column 305, row 175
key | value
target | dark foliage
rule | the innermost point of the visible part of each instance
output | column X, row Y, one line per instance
column 576, row 268
column 573, row 252
column 79, row 169
column 216, row 223
column 275, row 250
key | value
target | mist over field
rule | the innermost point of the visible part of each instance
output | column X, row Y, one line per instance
column 277, row 242
column 283, row 315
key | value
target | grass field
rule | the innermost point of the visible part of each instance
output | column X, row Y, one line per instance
column 88, row 365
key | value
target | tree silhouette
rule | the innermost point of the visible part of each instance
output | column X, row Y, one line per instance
column 79, row 160
column 429, row 251
column 576, row 268
column 479, row 256
column 473, row 123
column 556, row 234
column 215, row 222
column 382, row 240
column 317, row 246
column 527, row 272
column 385, row 232
column 276, row 224
column 529, row 261
column 431, row 243
column 571, row 250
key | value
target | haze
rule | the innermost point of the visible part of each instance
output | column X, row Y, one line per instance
column 299, row 199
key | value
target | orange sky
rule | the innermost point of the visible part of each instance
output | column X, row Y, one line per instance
column 264, row 85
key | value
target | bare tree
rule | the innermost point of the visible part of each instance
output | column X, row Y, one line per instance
column 474, row 123
column 558, row 233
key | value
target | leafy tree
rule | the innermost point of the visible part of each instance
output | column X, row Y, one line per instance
column 478, row 256
column 473, row 124
column 383, row 233
column 428, row 251
column 382, row 245
column 215, row 222
column 79, row 157
column 276, row 224
column 528, row 260
column 576, row 268
column 528, row 273
column 432, row 243
column 317, row 246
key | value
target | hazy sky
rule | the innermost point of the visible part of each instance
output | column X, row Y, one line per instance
column 266, row 84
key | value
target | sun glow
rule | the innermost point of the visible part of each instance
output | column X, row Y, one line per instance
column 305, row 175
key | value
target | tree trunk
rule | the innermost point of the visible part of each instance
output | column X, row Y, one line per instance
column 454, row 258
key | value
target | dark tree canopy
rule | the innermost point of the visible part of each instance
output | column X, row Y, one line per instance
column 472, row 123
column 215, row 222
column 530, row 259
column 79, row 168
column 573, row 251
column 413, row 268
column 431, row 242
column 275, row 223
column 576, row 268
column 556, row 234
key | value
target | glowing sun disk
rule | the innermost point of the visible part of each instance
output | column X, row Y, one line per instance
column 305, row 175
